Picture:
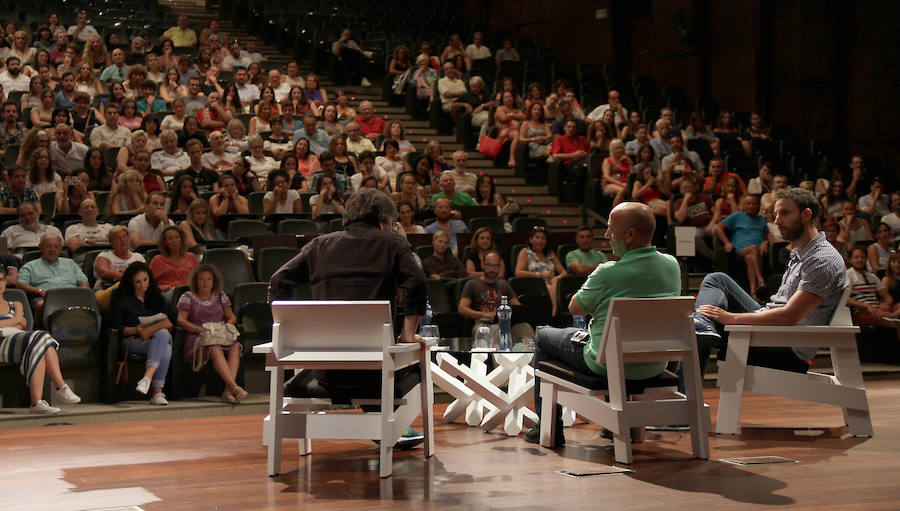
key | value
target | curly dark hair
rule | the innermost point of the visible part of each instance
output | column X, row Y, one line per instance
column 153, row 297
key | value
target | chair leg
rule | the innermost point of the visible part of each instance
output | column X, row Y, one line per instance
column 622, row 446
column 699, row 412
column 848, row 371
column 304, row 445
column 276, row 402
column 548, row 413
column 386, row 447
column 731, row 383
column 427, row 390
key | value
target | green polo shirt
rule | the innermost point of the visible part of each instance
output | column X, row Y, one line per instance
column 586, row 257
column 63, row 273
column 640, row 273
column 459, row 200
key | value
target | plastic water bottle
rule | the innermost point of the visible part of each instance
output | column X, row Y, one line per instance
column 428, row 318
column 579, row 321
column 504, row 315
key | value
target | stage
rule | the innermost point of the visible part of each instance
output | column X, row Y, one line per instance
column 219, row 463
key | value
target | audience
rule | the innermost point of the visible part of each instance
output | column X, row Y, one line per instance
column 29, row 232
column 174, row 263
column 537, row 260
column 444, row 222
column 584, row 259
column 207, row 303
column 17, row 192
column 280, row 198
column 110, row 265
column 482, row 243
column 35, row 353
column 146, row 229
column 442, row 264
column 746, row 233
column 88, row 232
column 49, row 271
column 481, row 297
column 139, row 314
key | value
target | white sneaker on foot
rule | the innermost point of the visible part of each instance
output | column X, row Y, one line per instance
column 65, row 396
column 159, row 399
column 143, row 385
column 43, row 408
column 365, row 83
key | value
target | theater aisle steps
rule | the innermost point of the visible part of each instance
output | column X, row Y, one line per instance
column 534, row 200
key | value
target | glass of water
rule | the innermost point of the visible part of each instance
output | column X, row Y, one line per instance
column 484, row 337
column 431, row 334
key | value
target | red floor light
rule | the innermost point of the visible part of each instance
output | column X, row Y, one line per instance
column 513, row 190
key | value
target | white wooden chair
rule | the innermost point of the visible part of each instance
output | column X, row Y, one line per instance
column 844, row 389
column 342, row 335
column 636, row 330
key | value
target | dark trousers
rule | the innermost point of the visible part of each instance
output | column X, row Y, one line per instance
column 554, row 344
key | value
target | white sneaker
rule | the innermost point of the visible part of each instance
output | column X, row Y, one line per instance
column 365, row 83
column 65, row 396
column 43, row 408
column 143, row 385
column 159, row 399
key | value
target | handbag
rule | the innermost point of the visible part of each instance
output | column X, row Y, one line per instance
column 216, row 333
column 400, row 82
column 489, row 147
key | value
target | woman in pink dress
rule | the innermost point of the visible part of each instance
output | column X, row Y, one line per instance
column 206, row 302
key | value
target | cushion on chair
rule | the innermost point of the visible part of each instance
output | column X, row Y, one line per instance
column 305, row 385
column 596, row 382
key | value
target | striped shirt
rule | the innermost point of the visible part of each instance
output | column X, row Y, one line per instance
column 864, row 286
column 818, row 269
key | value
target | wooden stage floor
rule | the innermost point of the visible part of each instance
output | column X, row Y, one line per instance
column 219, row 463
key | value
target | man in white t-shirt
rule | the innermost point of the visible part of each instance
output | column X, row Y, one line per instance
column 88, row 232
column 81, row 31
column 893, row 220
column 368, row 168
column 110, row 264
column 12, row 79
column 235, row 59
column 67, row 156
column 145, row 229
column 465, row 180
column 620, row 112
column 28, row 232
column 476, row 50
column 450, row 87
column 246, row 91
column 282, row 89
column 110, row 134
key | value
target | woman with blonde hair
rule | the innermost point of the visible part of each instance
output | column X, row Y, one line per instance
column 197, row 226
column 34, row 139
column 95, row 53
column 128, row 194
column 86, row 81
column 22, row 48
column 205, row 303
column 174, row 263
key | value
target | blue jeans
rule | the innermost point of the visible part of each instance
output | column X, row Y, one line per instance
column 158, row 349
column 722, row 291
column 554, row 344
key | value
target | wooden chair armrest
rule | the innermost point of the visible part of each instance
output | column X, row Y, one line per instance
column 779, row 329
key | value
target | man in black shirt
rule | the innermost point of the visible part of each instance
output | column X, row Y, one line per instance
column 365, row 261
column 205, row 180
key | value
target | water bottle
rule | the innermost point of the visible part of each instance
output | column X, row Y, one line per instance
column 428, row 318
column 579, row 321
column 504, row 315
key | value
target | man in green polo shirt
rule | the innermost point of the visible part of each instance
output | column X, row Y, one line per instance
column 49, row 272
column 640, row 272
column 584, row 259
column 448, row 187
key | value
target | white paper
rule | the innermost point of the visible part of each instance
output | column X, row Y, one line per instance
column 149, row 320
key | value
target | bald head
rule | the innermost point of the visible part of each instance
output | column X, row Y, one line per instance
column 632, row 223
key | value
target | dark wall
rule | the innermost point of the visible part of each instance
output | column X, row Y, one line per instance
column 826, row 68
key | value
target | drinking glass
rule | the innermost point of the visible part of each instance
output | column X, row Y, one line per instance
column 431, row 334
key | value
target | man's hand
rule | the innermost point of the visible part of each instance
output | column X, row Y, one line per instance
column 729, row 247
column 764, row 248
column 718, row 315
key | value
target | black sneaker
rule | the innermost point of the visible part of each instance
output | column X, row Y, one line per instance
column 670, row 427
column 533, row 436
column 410, row 439
column 705, row 326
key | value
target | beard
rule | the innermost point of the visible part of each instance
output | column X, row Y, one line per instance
column 618, row 248
column 791, row 232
